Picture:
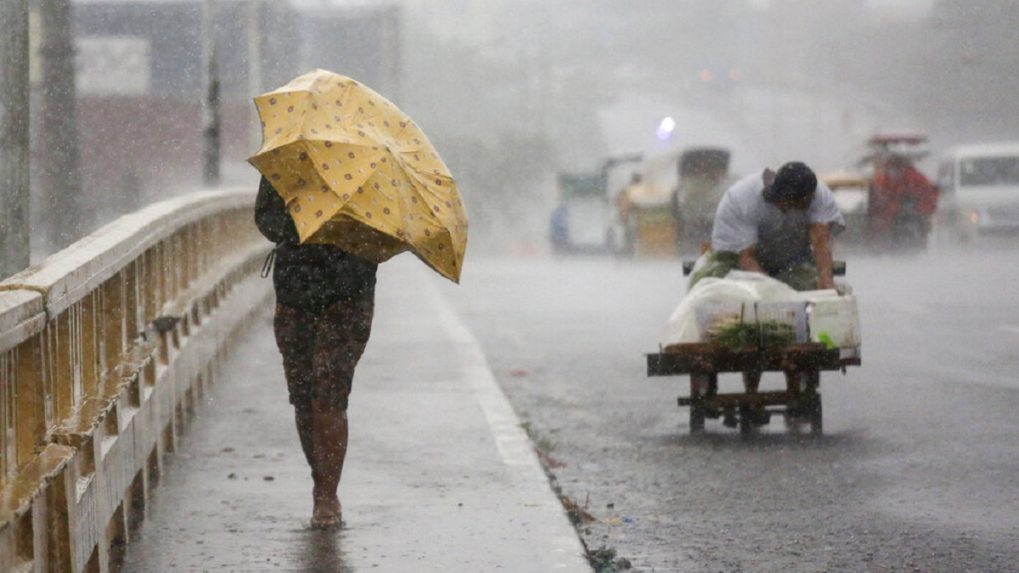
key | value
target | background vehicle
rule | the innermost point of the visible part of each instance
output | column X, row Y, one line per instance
column 851, row 194
column 902, row 200
column 577, row 223
column 645, row 217
column 980, row 186
column 703, row 179
column 583, row 220
column 669, row 205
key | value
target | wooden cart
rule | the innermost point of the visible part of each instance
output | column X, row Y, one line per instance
column 800, row 402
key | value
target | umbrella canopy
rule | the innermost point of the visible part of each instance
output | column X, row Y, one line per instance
column 358, row 173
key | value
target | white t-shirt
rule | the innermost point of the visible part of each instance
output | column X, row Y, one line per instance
column 745, row 219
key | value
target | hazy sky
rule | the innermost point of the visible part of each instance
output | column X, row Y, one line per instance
column 906, row 4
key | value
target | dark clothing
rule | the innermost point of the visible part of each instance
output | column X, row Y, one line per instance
column 309, row 277
column 321, row 349
column 325, row 303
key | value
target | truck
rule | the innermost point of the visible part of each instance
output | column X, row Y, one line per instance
column 669, row 207
column 703, row 179
column 902, row 200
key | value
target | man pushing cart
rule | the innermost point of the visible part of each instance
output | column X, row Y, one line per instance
column 764, row 299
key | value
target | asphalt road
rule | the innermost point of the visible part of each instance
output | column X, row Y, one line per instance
column 918, row 468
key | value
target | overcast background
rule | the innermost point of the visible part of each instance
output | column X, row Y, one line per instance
column 514, row 91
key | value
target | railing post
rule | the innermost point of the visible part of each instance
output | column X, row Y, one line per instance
column 132, row 300
column 88, row 337
column 30, row 400
column 114, row 320
column 150, row 286
column 8, row 404
column 62, row 357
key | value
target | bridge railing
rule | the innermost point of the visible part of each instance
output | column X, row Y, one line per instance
column 104, row 350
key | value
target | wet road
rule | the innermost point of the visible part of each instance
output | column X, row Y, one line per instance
column 918, row 467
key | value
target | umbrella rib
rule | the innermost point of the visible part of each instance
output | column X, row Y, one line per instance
column 419, row 181
column 410, row 166
column 427, row 201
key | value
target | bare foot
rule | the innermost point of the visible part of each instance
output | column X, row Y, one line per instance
column 327, row 513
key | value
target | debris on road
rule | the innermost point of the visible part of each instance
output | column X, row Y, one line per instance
column 549, row 462
column 604, row 560
column 578, row 515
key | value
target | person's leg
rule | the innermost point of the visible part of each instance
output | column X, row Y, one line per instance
column 329, row 438
column 293, row 329
column 340, row 341
column 304, row 419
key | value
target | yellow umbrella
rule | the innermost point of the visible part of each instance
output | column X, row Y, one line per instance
column 357, row 173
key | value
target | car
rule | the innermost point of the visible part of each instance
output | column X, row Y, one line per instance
column 980, row 190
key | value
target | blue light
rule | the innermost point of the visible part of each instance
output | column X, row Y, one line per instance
column 665, row 129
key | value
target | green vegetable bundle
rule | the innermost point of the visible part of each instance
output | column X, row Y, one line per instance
column 767, row 334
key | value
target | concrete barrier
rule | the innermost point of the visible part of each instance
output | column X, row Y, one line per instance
column 104, row 350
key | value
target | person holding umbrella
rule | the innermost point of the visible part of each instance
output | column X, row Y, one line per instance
column 348, row 181
column 325, row 300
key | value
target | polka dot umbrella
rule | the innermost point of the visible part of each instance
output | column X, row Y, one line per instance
column 357, row 173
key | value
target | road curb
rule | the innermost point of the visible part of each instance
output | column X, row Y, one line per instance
column 514, row 445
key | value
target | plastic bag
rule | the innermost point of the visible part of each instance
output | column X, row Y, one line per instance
column 737, row 287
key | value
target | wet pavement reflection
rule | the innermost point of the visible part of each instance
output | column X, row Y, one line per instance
column 319, row 551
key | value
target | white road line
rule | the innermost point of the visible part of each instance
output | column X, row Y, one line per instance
column 1011, row 329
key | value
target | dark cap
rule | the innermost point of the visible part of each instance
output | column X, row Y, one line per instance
column 794, row 180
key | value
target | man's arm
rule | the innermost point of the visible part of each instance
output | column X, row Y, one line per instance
column 748, row 260
column 820, row 245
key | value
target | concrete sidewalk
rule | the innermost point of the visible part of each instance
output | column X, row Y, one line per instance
column 439, row 475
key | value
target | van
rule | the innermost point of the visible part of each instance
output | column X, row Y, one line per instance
column 980, row 186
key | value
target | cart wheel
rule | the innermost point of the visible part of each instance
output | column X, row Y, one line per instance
column 815, row 415
column 697, row 415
